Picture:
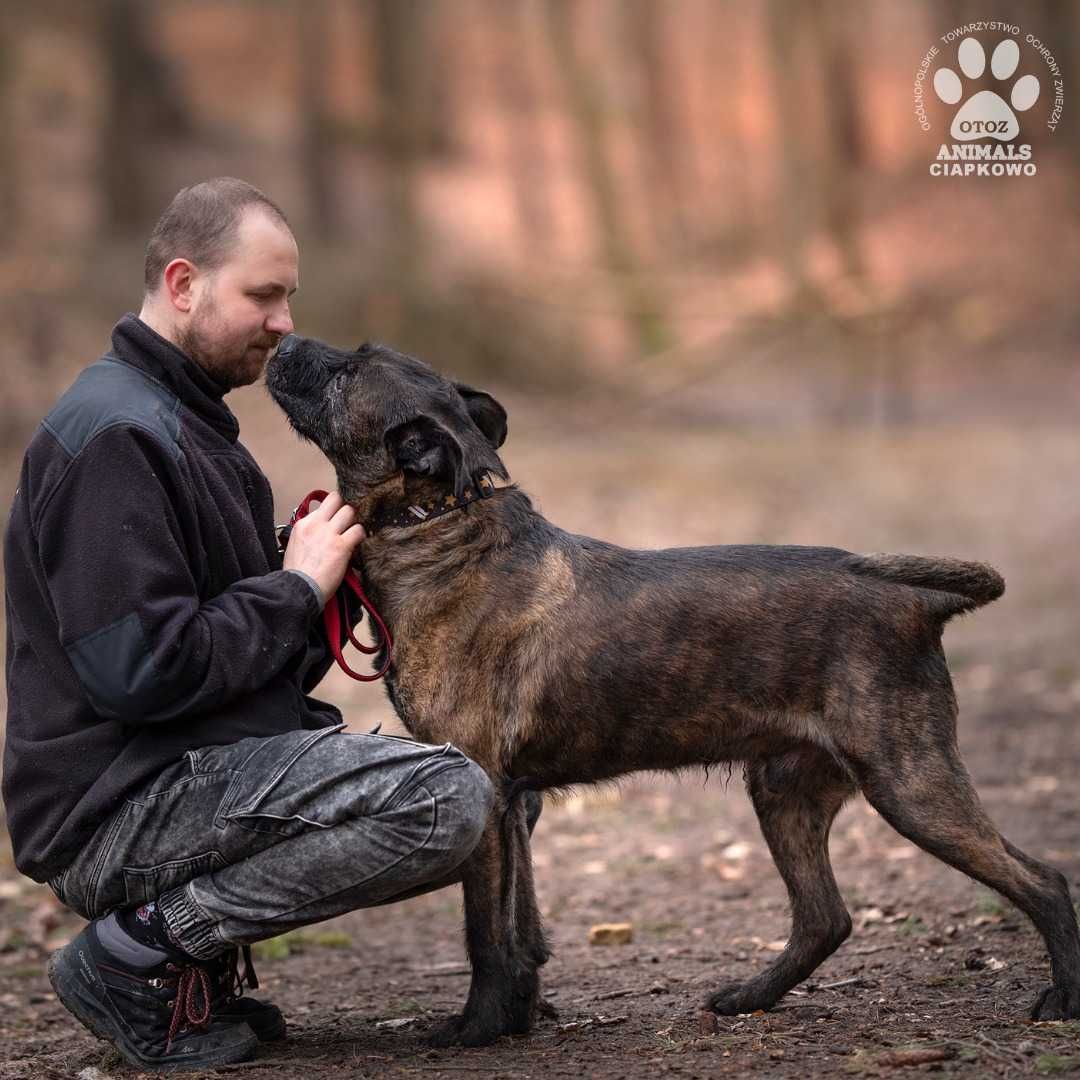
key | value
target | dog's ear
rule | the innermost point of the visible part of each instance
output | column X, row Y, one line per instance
column 424, row 447
column 486, row 413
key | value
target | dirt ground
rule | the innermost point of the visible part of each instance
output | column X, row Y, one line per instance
column 939, row 973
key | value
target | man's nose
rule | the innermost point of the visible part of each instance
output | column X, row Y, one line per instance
column 280, row 322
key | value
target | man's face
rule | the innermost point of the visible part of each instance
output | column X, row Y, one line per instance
column 240, row 311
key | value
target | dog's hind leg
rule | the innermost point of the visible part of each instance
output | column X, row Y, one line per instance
column 925, row 793
column 796, row 796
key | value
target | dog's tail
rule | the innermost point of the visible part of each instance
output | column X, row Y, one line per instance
column 954, row 586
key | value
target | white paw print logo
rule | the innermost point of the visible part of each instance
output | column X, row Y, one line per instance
column 986, row 113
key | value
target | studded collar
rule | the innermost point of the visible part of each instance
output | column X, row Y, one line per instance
column 415, row 514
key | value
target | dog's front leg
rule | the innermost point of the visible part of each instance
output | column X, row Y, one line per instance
column 502, row 932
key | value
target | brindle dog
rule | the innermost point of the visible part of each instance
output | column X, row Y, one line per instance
column 554, row 659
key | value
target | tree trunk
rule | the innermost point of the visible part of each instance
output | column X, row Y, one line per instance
column 641, row 309
column 316, row 129
column 527, row 164
column 662, row 131
column 795, row 198
column 8, row 194
column 400, row 55
column 843, row 149
column 141, row 106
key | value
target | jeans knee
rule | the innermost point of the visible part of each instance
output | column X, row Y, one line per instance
column 465, row 797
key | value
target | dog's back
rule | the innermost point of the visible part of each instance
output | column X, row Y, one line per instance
column 605, row 659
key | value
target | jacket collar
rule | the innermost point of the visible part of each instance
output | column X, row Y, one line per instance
column 136, row 344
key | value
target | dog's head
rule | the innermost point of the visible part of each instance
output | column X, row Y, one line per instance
column 378, row 414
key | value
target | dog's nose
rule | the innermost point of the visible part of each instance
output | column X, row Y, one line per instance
column 287, row 344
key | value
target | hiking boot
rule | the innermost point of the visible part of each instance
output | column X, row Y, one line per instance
column 230, row 1006
column 155, row 1008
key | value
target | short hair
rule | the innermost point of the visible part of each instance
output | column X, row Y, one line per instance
column 201, row 224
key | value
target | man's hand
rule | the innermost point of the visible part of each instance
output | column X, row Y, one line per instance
column 321, row 545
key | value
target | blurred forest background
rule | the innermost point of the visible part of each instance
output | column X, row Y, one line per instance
column 695, row 248
column 694, row 245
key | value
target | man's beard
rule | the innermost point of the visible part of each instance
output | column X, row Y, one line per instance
column 226, row 362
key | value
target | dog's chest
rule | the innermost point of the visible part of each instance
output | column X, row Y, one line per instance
column 430, row 681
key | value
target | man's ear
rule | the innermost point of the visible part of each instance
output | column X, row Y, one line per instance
column 178, row 284
column 424, row 447
column 486, row 413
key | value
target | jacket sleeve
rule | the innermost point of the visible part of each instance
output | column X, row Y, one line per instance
column 121, row 581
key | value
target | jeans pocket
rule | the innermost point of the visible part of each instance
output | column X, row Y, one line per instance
column 87, row 884
column 143, row 884
column 263, row 770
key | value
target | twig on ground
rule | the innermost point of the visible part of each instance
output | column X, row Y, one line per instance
column 997, row 1051
column 436, row 1067
column 260, row 1063
column 841, row 982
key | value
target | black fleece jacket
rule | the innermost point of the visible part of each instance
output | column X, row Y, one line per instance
column 147, row 611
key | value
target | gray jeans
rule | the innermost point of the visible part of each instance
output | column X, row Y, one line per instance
column 243, row 842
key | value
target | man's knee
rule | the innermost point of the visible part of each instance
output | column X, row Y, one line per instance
column 464, row 797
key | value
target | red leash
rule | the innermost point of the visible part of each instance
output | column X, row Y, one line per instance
column 336, row 611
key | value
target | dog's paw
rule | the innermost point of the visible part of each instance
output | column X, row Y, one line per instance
column 1057, row 1003
column 734, row 998
column 447, row 1033
column 466, row 1030
column 545, row 1009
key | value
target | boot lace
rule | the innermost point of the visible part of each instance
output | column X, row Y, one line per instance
column 232, row 982
column 191, row 981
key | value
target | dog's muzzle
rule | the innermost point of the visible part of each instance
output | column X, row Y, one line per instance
column 287, row 344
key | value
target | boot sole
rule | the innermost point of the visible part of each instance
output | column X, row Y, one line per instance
column 273, row 1029
column 91, row 1009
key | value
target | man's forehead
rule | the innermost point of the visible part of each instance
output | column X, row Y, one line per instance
column 266, row 245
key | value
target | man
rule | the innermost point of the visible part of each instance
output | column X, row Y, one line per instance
column 165, row 769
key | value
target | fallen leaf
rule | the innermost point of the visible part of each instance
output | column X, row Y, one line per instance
column 869, row 916
column 901, row 1058
column 769, row 946
column 44, row 919
column 611, row 934
column 1041, row 784
column 901, row 852
column 92, row 1072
